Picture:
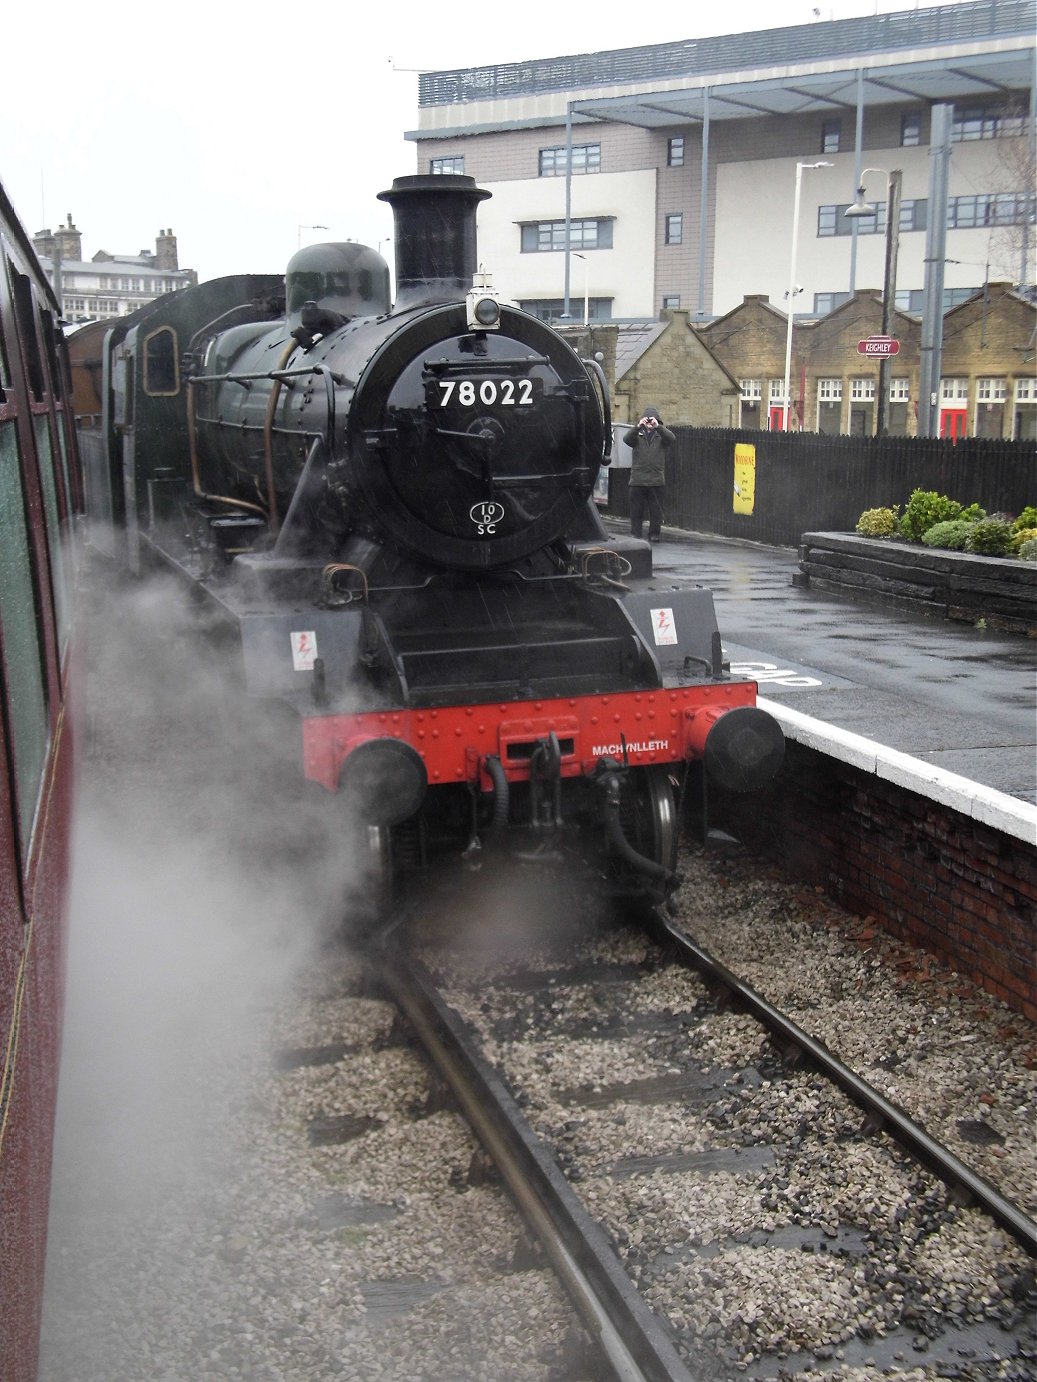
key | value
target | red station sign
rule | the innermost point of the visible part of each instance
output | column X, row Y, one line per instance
column 878, row 345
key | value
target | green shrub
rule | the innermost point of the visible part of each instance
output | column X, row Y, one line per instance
column 975, row 512
column 923, row 509
column 877, row 522
column 990, row 537
column 1027, row 519
column 951, row 535
column 1021, row 535
column 1028, row 551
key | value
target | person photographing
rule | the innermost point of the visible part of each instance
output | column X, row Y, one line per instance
column 649, row 441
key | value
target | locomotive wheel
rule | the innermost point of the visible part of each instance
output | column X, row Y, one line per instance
column 371, row 890
column 649, row 817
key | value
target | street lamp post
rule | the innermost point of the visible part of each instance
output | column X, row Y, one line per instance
column 300, row 229
column 792, row 286
column 586, row 295
column 889, row 283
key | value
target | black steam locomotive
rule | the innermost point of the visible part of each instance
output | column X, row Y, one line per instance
column 388, row 508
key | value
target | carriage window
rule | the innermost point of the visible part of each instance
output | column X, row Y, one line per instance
column 161, row 367
column 20, row 638
column 51, row 347
column 59, row 566
column 27, row 329
column 5, row 368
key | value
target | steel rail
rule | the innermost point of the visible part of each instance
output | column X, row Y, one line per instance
column 901, row 1127
column 631, row 1338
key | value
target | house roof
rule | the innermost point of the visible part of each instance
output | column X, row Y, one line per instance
column 633, row 339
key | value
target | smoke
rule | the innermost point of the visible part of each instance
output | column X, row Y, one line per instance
column 205, row 880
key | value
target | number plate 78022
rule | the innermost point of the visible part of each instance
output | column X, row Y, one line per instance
column 482, row 393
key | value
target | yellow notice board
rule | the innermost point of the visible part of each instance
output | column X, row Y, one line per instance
column 745, row 477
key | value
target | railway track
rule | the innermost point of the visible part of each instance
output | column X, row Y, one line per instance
column 773, row 1213
column 256, row 1182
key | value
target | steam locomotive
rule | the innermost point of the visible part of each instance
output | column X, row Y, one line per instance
column 387, row 508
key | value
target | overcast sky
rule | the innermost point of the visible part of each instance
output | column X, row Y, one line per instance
column 235, row 123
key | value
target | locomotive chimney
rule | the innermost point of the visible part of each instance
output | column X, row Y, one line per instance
column 435, row 236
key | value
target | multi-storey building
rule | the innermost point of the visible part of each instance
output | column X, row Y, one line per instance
column 110, row 285
column 687, row 176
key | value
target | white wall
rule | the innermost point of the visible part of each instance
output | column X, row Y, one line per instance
column 626, row 273
column 754, row 210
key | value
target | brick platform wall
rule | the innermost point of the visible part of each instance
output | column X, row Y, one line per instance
column 922, row 871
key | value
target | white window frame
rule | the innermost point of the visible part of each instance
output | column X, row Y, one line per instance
column 900, row 389
column 1026, row 390
column 752, row 390
column 862, row 389
column 991, row 389
column 776, row 392
column 954, row 392
column 829, row 391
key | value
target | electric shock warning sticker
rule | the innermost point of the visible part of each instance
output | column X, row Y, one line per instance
column 664, row 630
column 304, row 650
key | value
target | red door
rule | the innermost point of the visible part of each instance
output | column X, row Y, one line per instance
column 952, row 423
column 776, row 418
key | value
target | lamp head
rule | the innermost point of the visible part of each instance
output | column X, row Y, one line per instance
column 860, row 207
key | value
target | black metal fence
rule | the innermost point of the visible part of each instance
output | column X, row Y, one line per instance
column 804, row 482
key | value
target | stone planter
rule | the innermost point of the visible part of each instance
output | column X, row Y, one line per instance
column 1000, row 591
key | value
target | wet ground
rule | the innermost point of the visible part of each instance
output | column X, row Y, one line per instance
column 961, row 698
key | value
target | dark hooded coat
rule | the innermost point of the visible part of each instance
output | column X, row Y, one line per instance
column 648, row 466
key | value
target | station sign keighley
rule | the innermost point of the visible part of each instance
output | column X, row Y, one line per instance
column 878, row 345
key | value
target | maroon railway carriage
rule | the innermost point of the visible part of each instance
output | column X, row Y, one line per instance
column 39, row 498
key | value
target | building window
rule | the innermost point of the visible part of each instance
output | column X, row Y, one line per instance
column 899, row 390
column 954, row 391
column 982, row 122
column 913, row 299
column 911, row 128
column 991, row 390
column 551, row 309
column 541, row 236
column 990, row 209
column 675, row 151
column 828, row 302
column 862, row 390
column 671, row 303
column 1026, row 390
column 586, row 159
column 675, row 228
column 832, row 220
column 830, row 132
column 829, row 390
column 752, row 390
column 453, row 164
column 776, row 392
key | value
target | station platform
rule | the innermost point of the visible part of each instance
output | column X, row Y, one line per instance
column 947, row 710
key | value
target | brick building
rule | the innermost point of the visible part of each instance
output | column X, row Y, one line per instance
column 987, row 385
column 684, row 176
column 109, row 285
column 665, row 364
